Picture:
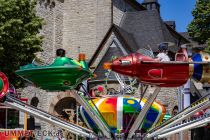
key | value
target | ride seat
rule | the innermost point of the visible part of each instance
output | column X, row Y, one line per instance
column 181, row 55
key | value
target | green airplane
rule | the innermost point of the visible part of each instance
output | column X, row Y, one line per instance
column 63, row 74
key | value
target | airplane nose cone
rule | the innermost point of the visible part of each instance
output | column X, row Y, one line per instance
column 107, row 66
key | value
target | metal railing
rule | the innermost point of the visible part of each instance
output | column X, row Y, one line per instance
column 40, row 114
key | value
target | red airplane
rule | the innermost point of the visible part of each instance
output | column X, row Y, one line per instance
column 163, row 74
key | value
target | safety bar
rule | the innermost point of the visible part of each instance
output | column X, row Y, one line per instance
column 193, row 106
column 188, row 112
column 195, row 123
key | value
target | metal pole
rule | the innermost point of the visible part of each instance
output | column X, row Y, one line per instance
column 143, row 113
column 93, row 114
column 39, row 111
column 180, row 108
column 25, row 121
column 186, row 113
column 6, row 118
column 74, row 129
column 191, row 108
column 186, row 99
column 49, row 118
column 77, row 117
column 201, row 121
column 177, row 120
column 187, row 94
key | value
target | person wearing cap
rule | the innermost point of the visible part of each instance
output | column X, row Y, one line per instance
column 163, row 50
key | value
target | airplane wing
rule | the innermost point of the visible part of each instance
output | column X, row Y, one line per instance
column 173, row 62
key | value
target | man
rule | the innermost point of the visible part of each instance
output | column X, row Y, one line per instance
column 163, row 50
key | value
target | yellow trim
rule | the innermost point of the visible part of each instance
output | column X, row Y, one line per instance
column 130, row 102
column 206, row 68
column 191, row 69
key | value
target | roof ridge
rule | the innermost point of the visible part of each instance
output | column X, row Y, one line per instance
column 122, row 19
column 162, row 24
column 136, row 5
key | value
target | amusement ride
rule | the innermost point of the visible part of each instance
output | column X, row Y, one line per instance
column 118, row 116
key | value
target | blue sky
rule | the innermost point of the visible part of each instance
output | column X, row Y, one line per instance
column 178, row 10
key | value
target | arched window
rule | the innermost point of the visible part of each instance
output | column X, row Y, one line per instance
column 175, row 111
column 66, row 107
column 34, row 101
column 31, row 120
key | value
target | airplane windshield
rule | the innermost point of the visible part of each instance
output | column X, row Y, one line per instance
column 146, row 51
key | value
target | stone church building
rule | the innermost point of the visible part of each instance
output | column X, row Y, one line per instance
column 100, row 29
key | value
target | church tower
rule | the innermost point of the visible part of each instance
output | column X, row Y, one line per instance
column 151, row 5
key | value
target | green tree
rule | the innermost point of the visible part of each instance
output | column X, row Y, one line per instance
column 199, row 28
column 19, row 36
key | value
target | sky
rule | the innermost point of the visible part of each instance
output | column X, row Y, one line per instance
column 177, row 10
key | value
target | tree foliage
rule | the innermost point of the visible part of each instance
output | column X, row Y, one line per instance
column 19, row 36
column 199, row 28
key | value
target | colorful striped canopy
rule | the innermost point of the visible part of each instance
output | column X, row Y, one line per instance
column 117, row 112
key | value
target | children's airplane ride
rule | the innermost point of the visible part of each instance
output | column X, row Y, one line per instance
column 115, row 117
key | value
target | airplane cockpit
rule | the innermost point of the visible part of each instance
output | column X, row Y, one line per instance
column 147, row 51
column 180, row 55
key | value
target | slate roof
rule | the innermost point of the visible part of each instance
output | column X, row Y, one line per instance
column 186, row 35
column 148, row 29
column 128, row 39
column 172, row 24
column 195, row 44
column 135, row 5
column 147, row 1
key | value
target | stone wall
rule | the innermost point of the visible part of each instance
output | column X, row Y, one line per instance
column 52, row 13
column 104, row 19
column 30, row 92
column 47, row 102
column 167, row 97
column 77, row 25
column 85, row 24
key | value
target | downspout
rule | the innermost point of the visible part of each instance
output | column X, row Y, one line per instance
column 179, row 41
column 112, row 12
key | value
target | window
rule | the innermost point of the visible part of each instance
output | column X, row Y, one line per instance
column 9, row 118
